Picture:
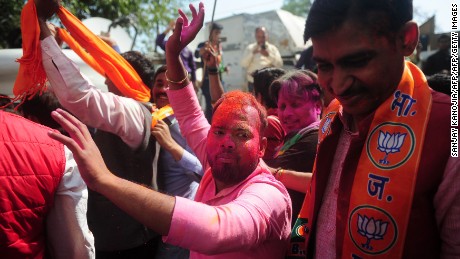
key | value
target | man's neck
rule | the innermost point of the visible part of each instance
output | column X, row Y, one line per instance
column 352, row 122
column 219, row 186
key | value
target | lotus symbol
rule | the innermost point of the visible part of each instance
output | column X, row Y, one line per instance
column 390, row 143
column 371, row 229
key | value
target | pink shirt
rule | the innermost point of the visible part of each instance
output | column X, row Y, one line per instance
column 248, row 220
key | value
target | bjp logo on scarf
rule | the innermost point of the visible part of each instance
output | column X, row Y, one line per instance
column 390, row 145
column 325, row 126
column 372, row 230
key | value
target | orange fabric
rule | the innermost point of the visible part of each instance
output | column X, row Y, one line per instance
column 161, row 114
column 31, row 76
column 73, row 44
column 384, row 181
column 115, row 66
column 394, row 148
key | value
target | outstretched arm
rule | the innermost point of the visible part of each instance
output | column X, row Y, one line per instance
column 123, row 193
column 141, row 203
column 121, row 116
column 298, row 181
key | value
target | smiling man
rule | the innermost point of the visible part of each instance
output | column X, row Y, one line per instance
column 384, row 184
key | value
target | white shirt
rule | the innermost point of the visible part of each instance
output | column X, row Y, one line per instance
column 68, row 235
column 109, row 112
column 255, row 61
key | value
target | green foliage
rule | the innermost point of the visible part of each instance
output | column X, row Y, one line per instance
column 10, row 19
column 149, row 16
column 297, row 7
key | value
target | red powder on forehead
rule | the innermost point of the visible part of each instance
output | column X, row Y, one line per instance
column 234, row 101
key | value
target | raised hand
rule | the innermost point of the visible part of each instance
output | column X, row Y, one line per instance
column 210, row 55
column 90, row 163
column 185, row 31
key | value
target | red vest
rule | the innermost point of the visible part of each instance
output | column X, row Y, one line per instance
column 422, row 238
column 31, row 167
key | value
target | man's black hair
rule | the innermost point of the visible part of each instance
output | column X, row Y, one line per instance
column 143, row 66
column 39, row 107
column 263, row 78
column 440, row 82
column 216, row 26
column 160, row 70
column 383, row 16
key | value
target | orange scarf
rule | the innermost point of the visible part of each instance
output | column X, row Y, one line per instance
column 383, row 187
column 81, row 52
column 31, row 76
column 103, row 58
column 160, row 114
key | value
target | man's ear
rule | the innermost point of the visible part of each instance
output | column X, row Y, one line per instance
column 318, row 108
column 263, row 146
column 409, row 34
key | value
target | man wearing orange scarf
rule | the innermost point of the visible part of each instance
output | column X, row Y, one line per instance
column 384, row 184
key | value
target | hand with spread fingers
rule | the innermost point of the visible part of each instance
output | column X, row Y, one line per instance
column 185, row 31
column 90, row 163
column 210, row 55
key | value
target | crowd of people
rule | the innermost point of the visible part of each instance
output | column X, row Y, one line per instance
column 351, row 160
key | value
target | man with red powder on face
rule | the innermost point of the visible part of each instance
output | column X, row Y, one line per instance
column 240, row 210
